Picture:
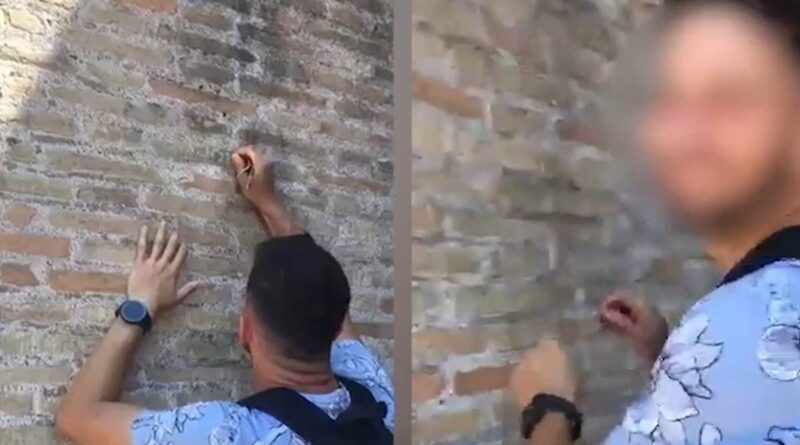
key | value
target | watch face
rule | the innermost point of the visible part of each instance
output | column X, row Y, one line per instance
column 133, row 311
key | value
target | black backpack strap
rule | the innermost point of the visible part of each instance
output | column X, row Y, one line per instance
column 365, row 409
column 296, row 412
column 357, row 424
column 362, row 404
column 358, row 393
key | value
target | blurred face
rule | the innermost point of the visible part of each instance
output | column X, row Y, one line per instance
column 720, row 132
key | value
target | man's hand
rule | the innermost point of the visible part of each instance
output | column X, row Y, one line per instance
column 254, row 178
column 154, row 276
column 636, row 321
column 544, row 369
column 90, row 413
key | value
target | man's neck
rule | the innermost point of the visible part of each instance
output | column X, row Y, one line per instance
column 727, row 247
column 311, row 378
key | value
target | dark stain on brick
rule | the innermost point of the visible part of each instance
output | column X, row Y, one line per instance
column 260, row 136
column 201, row 123
column 240, row 6
column 206, row 71
column 206, row 45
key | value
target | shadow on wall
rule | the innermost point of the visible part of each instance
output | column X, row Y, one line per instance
column 119, row 112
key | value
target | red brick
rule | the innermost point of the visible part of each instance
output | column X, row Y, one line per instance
column 444, row 96
column 210, row 185
column 169, row 6
column 106, row 168
column 31, row 184
column 426, row 385
column 34, row 244
column 426, row 220
column 19, row 214
column 448, row 342
column 428, row 261
column 219, row 103
column 576, row 329
column 94, row 222
column 39, row 314
column 50, row 122
column 375, row 330
column 442, row 427
column 271, row 90
column 204, row 236
column 174, row 204
column 18, row 275
column 387, row 305
column 578, row 129
column 18, row 404
column 355, row 185
column 80, row 282
column 481, row 380
column 206, row 18
column 156, row 56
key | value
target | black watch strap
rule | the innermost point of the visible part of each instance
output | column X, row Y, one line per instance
column 543, row 404
column 146, row 324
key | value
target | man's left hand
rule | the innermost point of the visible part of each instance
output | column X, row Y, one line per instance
column 544, row 369
column 154, row 276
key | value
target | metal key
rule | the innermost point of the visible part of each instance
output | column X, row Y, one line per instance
column 247, row 170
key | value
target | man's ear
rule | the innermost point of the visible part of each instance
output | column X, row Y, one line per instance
column 245, row 331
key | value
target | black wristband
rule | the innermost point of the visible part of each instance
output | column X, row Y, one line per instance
column 135, row 313
column 543, row 404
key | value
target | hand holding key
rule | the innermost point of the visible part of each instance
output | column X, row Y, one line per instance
column 637, row 322
column 254, row 179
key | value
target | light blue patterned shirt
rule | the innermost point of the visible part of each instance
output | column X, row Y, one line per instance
column 730, row 371
column 226, row 423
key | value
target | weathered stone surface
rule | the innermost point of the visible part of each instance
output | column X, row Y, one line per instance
column 518, row 218
column 118, row 113
column 24, row 20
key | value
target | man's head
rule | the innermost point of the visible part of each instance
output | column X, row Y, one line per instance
column 297, row 299
column 721, row 133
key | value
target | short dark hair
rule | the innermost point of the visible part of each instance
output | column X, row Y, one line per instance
column 783, row 15
column 300, row 294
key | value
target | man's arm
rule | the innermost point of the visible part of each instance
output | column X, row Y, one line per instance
column 552, row 430
column 634, row 320
column 545, row 370
column 276, row 220
column 256, row 183
column 90, row 414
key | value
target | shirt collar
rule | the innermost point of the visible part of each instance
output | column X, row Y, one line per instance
column 781, row 245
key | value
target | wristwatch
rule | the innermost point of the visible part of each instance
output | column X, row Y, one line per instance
column 135, row 312
column 543, row 404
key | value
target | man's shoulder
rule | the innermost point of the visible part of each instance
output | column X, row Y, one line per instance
column 779, row 279
column 200, row 423
column 352, row 359
column 755, row 319
column 789, row 268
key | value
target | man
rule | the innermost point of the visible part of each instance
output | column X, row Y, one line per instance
column 721, row 136
column 294, row 326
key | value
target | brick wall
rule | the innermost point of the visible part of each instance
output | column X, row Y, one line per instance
column 520, row 225
column 118, row 112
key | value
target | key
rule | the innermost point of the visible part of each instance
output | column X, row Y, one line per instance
column 248, row 171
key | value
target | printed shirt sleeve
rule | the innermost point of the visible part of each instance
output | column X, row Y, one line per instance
column 200, row 423
column 352, row 359
column 756, row 322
